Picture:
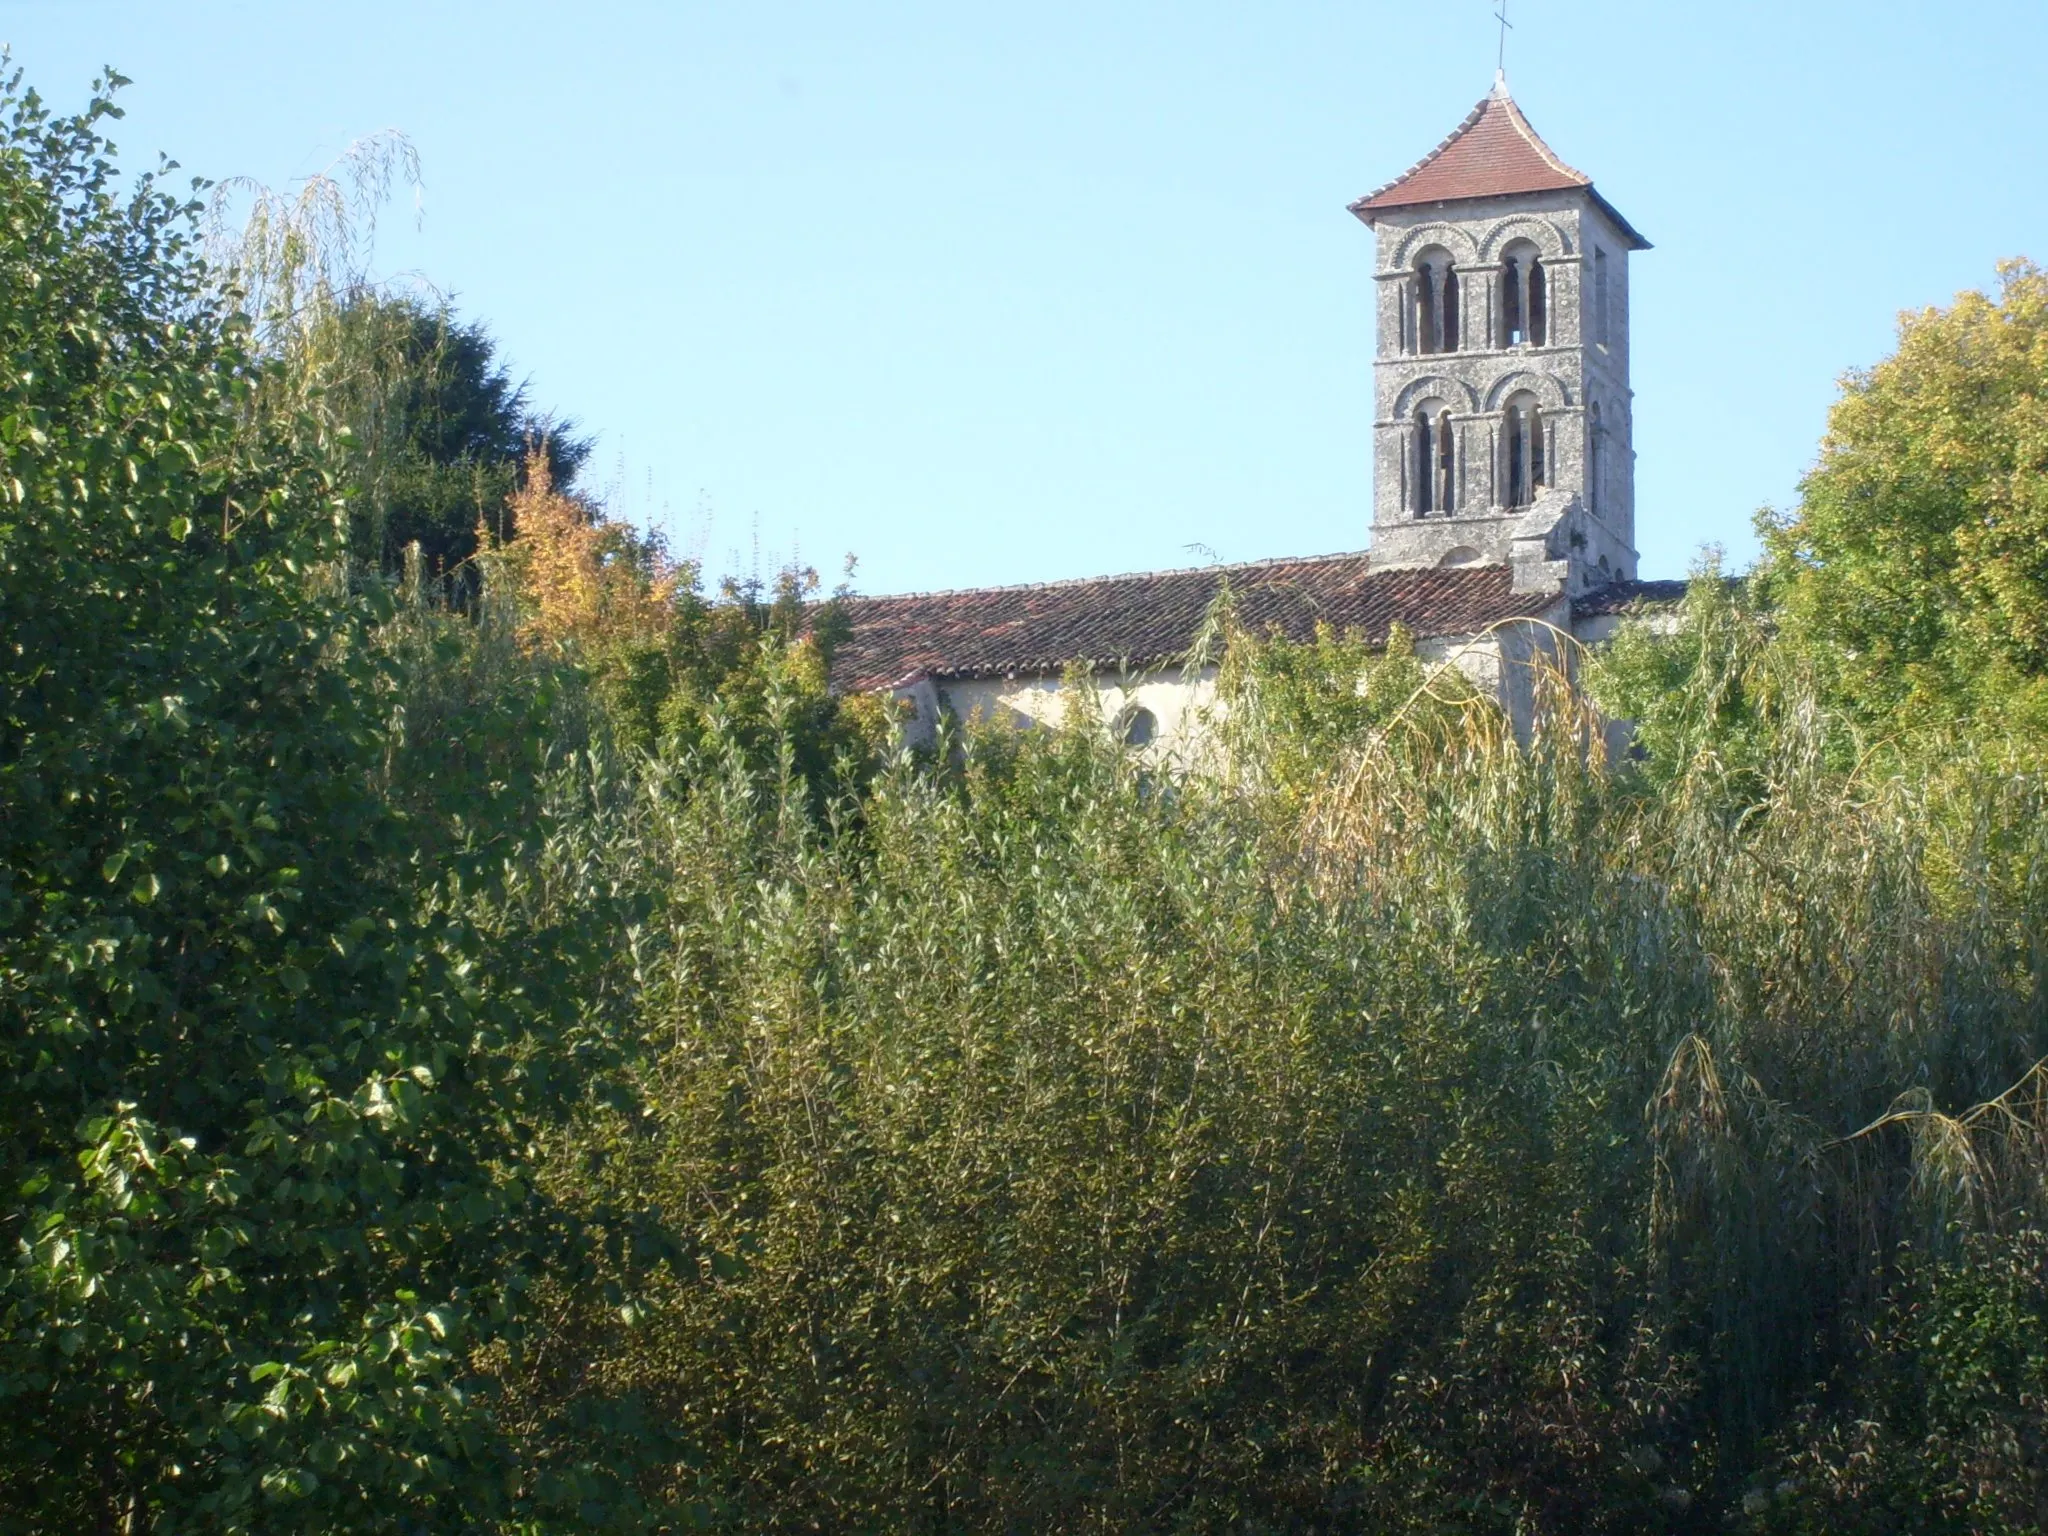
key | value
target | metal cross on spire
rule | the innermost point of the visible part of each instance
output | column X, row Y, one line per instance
column 1506, row 26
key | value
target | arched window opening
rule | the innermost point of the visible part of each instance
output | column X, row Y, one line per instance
column 1446, row 464
column 1425, row 463
column 1523, row 471
column 1140, row 727
column 1436, row 460
column 1524, row 297
column 1436, row 303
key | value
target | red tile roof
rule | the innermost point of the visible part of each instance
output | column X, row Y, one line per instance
column 1152, row 618
column 1493, row 153
column 1627, row 596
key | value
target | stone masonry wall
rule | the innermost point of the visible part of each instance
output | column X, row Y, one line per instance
column 1582, row 367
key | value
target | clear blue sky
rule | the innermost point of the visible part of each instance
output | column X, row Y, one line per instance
column 989, row 294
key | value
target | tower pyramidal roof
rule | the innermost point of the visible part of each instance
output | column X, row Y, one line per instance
column 1494, row 152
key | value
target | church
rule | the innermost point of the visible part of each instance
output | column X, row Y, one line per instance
column 1503, row 478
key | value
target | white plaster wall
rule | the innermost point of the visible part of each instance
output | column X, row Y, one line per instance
column 1599, row 628
column 1501, row 662
column 1180, row 701
column 1505, row 663
column 1023, row 702
column 1479, row 659
column 1186, row 707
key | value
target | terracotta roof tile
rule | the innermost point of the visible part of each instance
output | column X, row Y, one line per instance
column 1628, row 596
column 1494, row 152
column 1152, row 618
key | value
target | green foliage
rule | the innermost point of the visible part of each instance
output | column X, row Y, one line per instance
column 1913, row 569
column 541, row 1068
column 265, row 1094
column 1950, row 1427
column 671, row 667
column 1292, row 708
column 1440, row 1135
column 1052, row 1169
column 433, row 432
column 440, row 433
column 753, row 669
column 1710, row 691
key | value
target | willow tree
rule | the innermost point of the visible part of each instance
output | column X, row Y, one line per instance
column 437, row 431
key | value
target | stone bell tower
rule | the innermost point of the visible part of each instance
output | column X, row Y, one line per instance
column 1503, row 431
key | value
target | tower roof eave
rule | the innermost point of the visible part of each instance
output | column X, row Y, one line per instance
column 1637, row 241
column 1494, row 152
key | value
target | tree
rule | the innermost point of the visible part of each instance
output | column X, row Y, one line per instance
column 265, row 1109
column 443, row 432
column 1915, row 568
column 437, row 432
column 671, row 667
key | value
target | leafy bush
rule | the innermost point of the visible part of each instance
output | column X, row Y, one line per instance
column 670, row 667
column 1942, row 1418
column 266, row 1095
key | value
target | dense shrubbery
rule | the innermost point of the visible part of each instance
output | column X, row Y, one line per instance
column 548, row 1067
column 1456, row 1139
column 267, row 1101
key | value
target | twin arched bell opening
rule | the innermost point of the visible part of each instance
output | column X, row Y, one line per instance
column 1522, row 470
column 1435, row 317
